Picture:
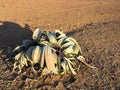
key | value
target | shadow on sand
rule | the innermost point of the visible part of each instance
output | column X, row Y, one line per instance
column 12, row 34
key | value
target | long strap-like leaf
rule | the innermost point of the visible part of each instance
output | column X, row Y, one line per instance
column 82, row 59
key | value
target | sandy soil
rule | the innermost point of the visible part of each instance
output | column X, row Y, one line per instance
column 95, row 24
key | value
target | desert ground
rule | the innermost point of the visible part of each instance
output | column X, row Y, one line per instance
column 95, row 24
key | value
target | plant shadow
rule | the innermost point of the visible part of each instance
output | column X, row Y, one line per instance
column 11, row 35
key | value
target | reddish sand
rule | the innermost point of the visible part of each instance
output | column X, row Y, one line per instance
column 95, row 24
column 59, row 14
